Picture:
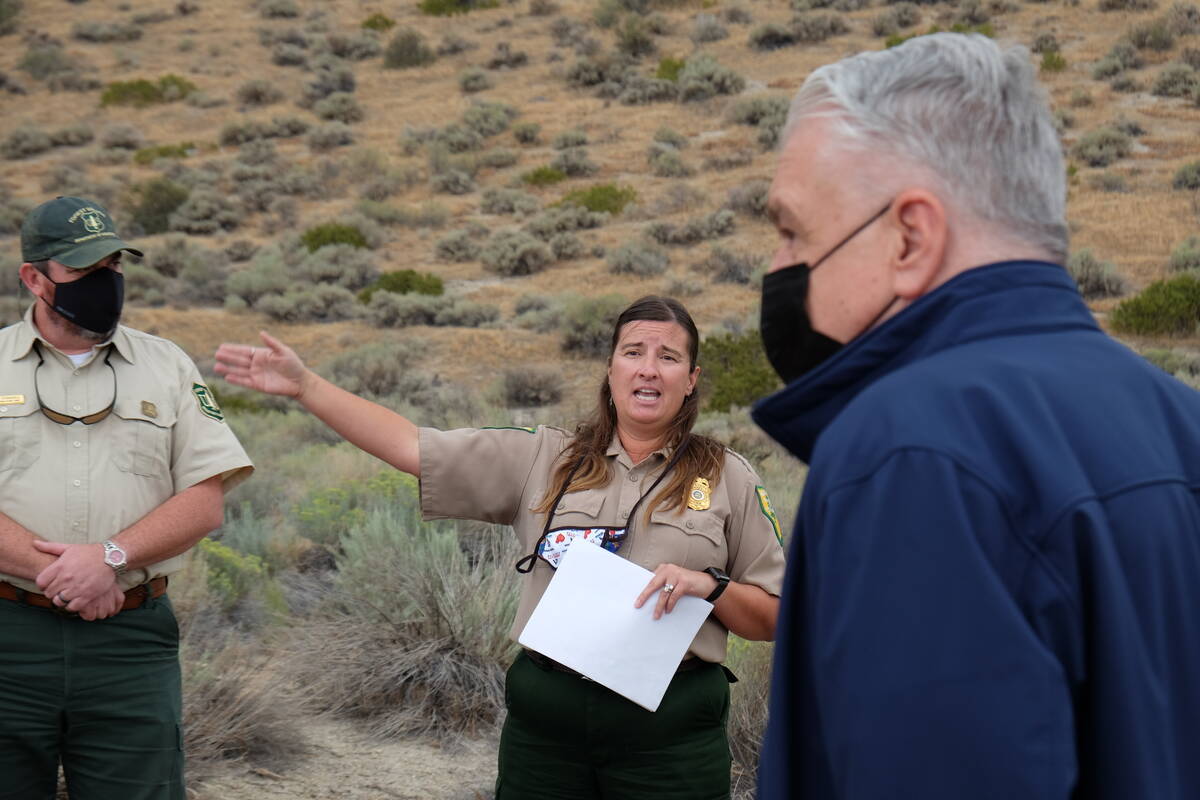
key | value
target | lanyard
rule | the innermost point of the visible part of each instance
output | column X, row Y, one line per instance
column 526, row 563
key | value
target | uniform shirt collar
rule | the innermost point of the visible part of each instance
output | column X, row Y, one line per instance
column 27, row 333
column 615, row 448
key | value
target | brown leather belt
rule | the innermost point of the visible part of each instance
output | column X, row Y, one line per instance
column 134, row 598
column 548, row 664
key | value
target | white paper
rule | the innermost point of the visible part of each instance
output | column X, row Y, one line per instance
column 586, row 621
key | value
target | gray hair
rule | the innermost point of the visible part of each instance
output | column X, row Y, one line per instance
column 965, row 110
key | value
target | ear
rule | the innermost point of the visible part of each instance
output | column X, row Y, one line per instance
column 692, row 379
column 920, row 217
column 31, row 277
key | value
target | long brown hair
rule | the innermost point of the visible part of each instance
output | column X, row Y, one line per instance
column 703, row 457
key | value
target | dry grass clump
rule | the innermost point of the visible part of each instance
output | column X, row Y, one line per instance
column 751, row 662
column 414, row 639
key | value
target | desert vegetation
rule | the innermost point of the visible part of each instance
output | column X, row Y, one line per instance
column 442, row 204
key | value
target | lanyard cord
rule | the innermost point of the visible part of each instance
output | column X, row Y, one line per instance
column 526, row 563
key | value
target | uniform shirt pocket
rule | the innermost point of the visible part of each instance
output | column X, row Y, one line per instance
column 142, row 437
column 691, row 539
column 581, row 510
column 20, row 436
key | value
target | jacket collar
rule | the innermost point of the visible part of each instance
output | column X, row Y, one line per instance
column 1000, row 299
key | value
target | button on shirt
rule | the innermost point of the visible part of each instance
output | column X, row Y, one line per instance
column 86, row 483
column 500, row 475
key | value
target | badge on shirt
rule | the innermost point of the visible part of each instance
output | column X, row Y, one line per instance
column 698, row 497
column 208, row 403
column 12, row 399
column 149, row 409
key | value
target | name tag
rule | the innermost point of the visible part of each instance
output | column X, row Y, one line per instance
column 12, row 399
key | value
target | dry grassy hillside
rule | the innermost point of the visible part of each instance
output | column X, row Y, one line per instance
column 276, row 158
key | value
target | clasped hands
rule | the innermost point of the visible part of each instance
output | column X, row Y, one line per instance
column 79, row 580
column 680, row 581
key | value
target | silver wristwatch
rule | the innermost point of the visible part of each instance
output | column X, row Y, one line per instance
column 114, row 556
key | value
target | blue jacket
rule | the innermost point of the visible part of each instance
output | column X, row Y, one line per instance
column 993, row 589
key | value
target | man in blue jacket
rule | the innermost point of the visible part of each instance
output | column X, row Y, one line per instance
column 993, row 589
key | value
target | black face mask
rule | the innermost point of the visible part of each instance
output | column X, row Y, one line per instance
column 793, row 347
column 93, row 302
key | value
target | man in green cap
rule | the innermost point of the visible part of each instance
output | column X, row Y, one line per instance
column 114, row 462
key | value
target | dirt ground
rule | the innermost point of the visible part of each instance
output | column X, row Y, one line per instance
column 344, row 763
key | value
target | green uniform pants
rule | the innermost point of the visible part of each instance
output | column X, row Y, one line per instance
column 567, row 738
column 103, row 696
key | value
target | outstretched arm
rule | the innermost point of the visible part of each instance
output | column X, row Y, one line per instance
column 276, row 369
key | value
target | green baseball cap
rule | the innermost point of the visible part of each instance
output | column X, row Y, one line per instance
column 72, row 231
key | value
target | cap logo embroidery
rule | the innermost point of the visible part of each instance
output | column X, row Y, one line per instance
column 92, row 221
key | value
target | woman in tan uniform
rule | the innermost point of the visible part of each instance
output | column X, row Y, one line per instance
column 634, row 479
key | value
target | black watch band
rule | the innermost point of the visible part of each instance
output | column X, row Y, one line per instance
column 722, row 581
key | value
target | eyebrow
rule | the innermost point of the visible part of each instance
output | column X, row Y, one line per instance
column 665, row 348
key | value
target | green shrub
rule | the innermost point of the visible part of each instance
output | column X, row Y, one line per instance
column 447, row 8
column 233, row 577
column 1185, row 256
column 140, row 92
column 1127, row 5
column 602, row 197
column 332, row 233
column 403, row 281
column 1095, row 278
column 379, row 22
column 531, row 386
column 634, row 38
column 9, row 11
column 1053, row 61
column 1179, row 363
column 735, row 370
column 1164, row 308
column 1187, row 176
column 148, row 155
column 1102, row 146
column 669, row 68
column 155, row 201
column 407, row 49
column 588, row 322
column 544, row 176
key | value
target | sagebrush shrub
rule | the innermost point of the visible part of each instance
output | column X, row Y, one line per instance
column 638, row 258
column 353, row 46
column 1164, row 308
column 1127, row 5
column 474, row 79
column 122, row 136
column 504, row 57
column 667, row 162
column 1155, row 35
column 1095, row 278
column 772, row 36
column 544, row 176
column 25, row 141
column 258, row 92
column 726, row 266
column 527, row 132
column 566, row 246
column 513, row 252
column 707, row 28
column 749, row 198
column 1102, row 146
column 574, row 162
column 339, row 107
column 328, row 136
column 817, row 26
column 487, row 118
column 1176, row 80
column 452, row 181
column 347, row 266
column 564, row 218
column 460, row 245
column 1187, row 176
column 207, row 211
column 587, row 324
column 697, row 229
column 1185, row 256
column 702, row 77
column 278, row 9
column 329, row 77
column 508, row 201
column 635, row 39
column 571, row 138
column 114, row 31
column 531, row 386
column 321, row 303
column 379, row 22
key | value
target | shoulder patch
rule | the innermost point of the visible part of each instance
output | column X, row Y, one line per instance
column 507, row 428
column 764, row 505
column 206, row 401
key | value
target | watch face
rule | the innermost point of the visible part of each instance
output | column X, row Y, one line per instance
column 115, row 557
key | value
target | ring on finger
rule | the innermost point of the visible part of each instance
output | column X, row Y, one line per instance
column 62, row 599
column 668, row 588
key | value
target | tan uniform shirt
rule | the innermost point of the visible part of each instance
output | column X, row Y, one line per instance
column 86, row 483
column 499, row 475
